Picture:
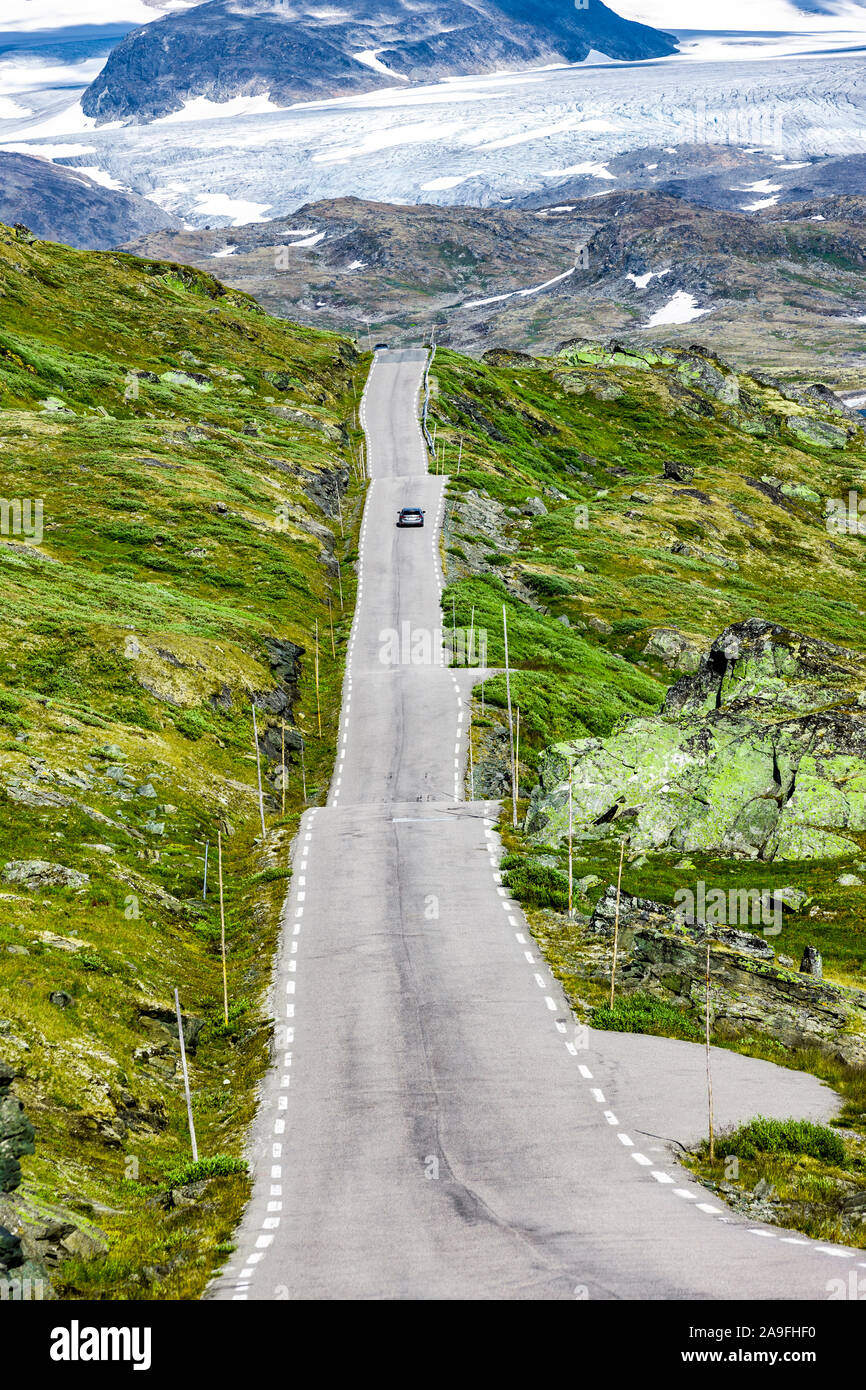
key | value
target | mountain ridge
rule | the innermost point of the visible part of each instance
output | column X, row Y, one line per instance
column 228, row 48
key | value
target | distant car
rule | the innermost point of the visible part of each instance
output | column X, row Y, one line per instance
column 410, row 516
column 381, row 347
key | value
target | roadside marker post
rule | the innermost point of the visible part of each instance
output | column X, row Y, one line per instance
column 185, row 1078
column 709, row 1071
column 517, row 753
column 471, row 767
column 570, row 846
column 284, row 777
column 223, row 927
column 510, row 720
column 259, row 772
column 318, row 704
column 616, row 923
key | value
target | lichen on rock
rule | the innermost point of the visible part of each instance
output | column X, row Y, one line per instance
column 760, row 753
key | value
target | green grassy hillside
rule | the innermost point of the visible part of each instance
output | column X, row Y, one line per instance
column 188, row 452
column 562, row 512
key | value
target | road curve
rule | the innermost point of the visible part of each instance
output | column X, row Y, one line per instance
column 433, row 1126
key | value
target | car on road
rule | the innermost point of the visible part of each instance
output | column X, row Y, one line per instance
column 410, row 516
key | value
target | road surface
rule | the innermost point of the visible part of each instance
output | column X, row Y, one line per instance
column 432, row 1127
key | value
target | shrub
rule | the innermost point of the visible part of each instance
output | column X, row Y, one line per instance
column 219, row 1166
column 643, row 1013
column 536, row 883
column 796, row 1137
column 548, row 585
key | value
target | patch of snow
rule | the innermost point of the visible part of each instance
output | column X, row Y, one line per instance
column 203, row 109
column 598, row 171
column 448, row 181
column 310, row 240
column 680, row 308
column 10, row 109
column 97, row 175
column 28, row 15
column 761, row 203
column 507, row 142
column 651, row 166
column 742, row 19
column 356, row 265
column 594, row 57
column 375, row 140
column 71, row 121
column 239, row 209
column 50, row 152
column 643, row 280
column 21, row 74
column 818, row 217
column 370, row 58
column 762, row 186
column 517, row 294
column 226, row 251
column 803, row 165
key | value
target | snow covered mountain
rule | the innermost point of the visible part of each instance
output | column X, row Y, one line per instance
column 226, row 49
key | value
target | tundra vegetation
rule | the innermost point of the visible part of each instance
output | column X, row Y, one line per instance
column 687, row 636
column 195, row 463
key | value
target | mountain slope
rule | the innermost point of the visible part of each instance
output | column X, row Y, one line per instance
column 178, row 458
column 61, row 204
column 784, row 289
column 230, row 48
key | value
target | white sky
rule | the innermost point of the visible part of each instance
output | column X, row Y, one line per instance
column 24, row 15
column 779, row 15
column 783, row 15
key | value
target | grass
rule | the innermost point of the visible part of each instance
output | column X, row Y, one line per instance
column 180, row 537
column 600, row 557
column 794, row 1137
column 805, row 1176
column 643, row 1013
column 551, row 433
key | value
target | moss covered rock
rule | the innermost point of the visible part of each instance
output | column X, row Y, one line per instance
column 761, row 753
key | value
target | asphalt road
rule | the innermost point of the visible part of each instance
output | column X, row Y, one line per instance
column 434, row 1125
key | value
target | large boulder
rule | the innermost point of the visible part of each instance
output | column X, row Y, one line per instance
column 760, row 753
column 811, row 430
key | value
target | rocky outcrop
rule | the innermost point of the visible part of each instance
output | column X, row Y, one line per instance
column 38, row 874
column 284, row 658
column 662, row 954
column 674, row 649
column 16, row 1132
column 20, row 1267
column 761, row 753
